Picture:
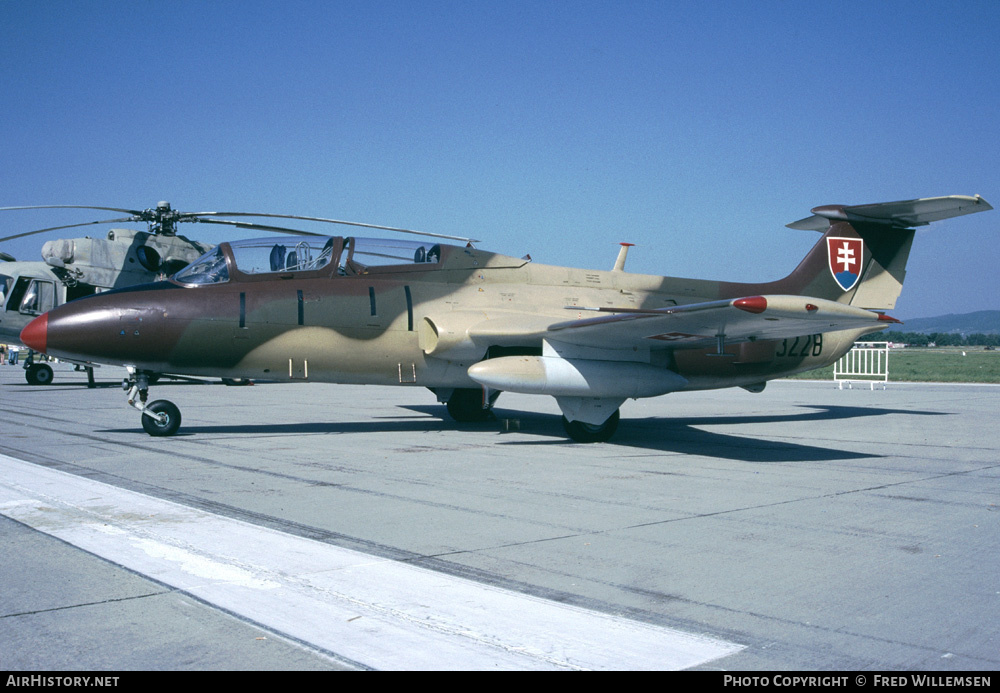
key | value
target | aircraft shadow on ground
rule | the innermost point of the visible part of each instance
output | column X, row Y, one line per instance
column 104, row 383
column 686, row 435
column 113, row 384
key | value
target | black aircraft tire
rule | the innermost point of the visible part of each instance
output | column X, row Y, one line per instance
column 466, row 405
column 589, row 433
column 39, row 374
column 154, row 427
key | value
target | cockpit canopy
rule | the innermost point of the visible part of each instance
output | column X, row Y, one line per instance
column 264, row 256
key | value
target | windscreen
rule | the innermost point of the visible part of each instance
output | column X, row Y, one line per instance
column 210, row 268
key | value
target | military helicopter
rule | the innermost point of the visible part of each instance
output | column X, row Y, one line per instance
column 74, row 268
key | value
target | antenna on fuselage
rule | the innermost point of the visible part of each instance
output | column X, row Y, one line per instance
column 622, row 254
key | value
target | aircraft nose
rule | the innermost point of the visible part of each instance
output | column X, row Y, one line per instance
column 35, row 334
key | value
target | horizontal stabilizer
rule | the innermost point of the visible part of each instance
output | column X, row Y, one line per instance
column 903, row 214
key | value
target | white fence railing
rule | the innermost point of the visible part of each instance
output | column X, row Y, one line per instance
column 866, row 362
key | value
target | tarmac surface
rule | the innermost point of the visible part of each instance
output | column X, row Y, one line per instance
column 312, row 526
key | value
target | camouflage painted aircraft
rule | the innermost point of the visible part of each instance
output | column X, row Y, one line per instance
column 469, row 324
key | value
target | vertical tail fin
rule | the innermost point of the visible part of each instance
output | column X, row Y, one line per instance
column 861, row 259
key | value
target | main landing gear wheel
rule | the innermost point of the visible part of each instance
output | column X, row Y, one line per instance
column 466, row 405
column 590, row 433
column 38, row 374
column 166, row 418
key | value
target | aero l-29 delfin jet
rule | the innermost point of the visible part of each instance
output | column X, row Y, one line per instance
column 469, row 324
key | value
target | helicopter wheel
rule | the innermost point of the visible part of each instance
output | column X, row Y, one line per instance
column 590, row 433
column 38, row 374
column 171, row 423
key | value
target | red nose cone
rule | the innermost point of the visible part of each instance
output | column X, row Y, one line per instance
column 34, row 336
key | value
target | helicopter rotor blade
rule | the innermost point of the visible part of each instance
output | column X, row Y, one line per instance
column 68, row 226
column 108, row 209
column 259, row 227
column 166, row 217
column 328, row 221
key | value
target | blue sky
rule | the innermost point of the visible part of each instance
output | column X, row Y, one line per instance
column 696, row 130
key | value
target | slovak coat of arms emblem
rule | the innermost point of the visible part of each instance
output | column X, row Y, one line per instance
column 845, row 256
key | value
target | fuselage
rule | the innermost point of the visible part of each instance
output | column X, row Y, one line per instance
column 469, row 324
column 354, row 311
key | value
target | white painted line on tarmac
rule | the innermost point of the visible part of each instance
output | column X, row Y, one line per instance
column 381, row 613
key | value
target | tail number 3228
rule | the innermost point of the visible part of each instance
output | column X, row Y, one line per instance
column 801, row 347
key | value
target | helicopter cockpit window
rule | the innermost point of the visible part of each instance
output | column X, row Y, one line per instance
column 39, row 298
column 5, row 283
column 210, row 268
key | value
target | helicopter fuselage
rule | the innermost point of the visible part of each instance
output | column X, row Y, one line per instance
column 27, row 289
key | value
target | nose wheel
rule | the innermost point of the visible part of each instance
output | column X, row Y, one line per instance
column 160, row 417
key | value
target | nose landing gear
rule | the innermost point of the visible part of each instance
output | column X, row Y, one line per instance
column 160, row 417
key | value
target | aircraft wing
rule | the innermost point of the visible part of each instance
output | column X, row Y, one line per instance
column 699, row 325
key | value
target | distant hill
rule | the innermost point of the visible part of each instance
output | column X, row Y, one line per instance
column 982, row 321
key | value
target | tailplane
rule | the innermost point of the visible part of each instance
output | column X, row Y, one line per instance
column 861, row 259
